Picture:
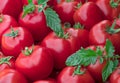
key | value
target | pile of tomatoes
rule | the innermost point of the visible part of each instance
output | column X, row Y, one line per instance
column 41, row 41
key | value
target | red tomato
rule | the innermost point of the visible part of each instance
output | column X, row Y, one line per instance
column 36, row 23
column 46, row 81
column 88, row 14
column 5, row 23
column 101, row 31
column 7, row 62
column 11, row 76
column 115, row 76
column 66, row 75
column 78, row 38
column 66, row 10
column 14, row 40
column 36, row 63
column 59, row 47
column 96, row 69
column 109, row 11
column 11, row 7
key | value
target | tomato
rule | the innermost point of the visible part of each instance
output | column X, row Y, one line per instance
column 14, row 40
column 59, row 47
column 36, row 23
column 96, row 69
column 7, row 62
column 6, row 22
column 102, row 31
column 88, row 15
column 11, row 7
column 67, row 75
column 108, row 8
column 46, row 81
column 78, row 38
column 11, row 76
column 35, row 63
column 65, row 10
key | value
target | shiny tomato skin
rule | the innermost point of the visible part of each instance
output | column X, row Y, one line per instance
column 88, row 15
column 59, row 47
column 11, row 7
column 12, row 46
column 66, row 75
column 98, row 35
column 110, row 12
column 7, row 22
column 36, row 66
column 66, row 10
column 11, row 76
column 36, row 24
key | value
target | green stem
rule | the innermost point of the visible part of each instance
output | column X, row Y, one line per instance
column 112, row 30
column 13, row 33
column 114, row 4
column 5, row 60
column 28, row 51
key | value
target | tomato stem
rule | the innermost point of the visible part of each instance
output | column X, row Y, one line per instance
column 114, row 4
column 112, row 30
column 5, row 60
column 78, row 26
column 12, row 33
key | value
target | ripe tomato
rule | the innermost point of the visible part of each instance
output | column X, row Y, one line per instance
column 78, row 38
column 35, row 63
column 11, row 7
column 96, row 69
column 36, row 23
column 67, row 75
column 6, row 22
column 109, row 9
column 66, row 10
column 14, row 40
column 88, row 15
column 11, row 76
column 59, row 47
column 102, row 31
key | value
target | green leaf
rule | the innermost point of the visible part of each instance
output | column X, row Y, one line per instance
column 99, row 51
column 101, row 60
column 109, row 48
column 42, row 1
column 30, row 1
column 83, row 57
column 115, row 63
column 28, row 9
column 53, row 21
column 108, row 69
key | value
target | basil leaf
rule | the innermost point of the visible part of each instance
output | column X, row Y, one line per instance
column 53, row 21
column 109, row 48
column 42, row 1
